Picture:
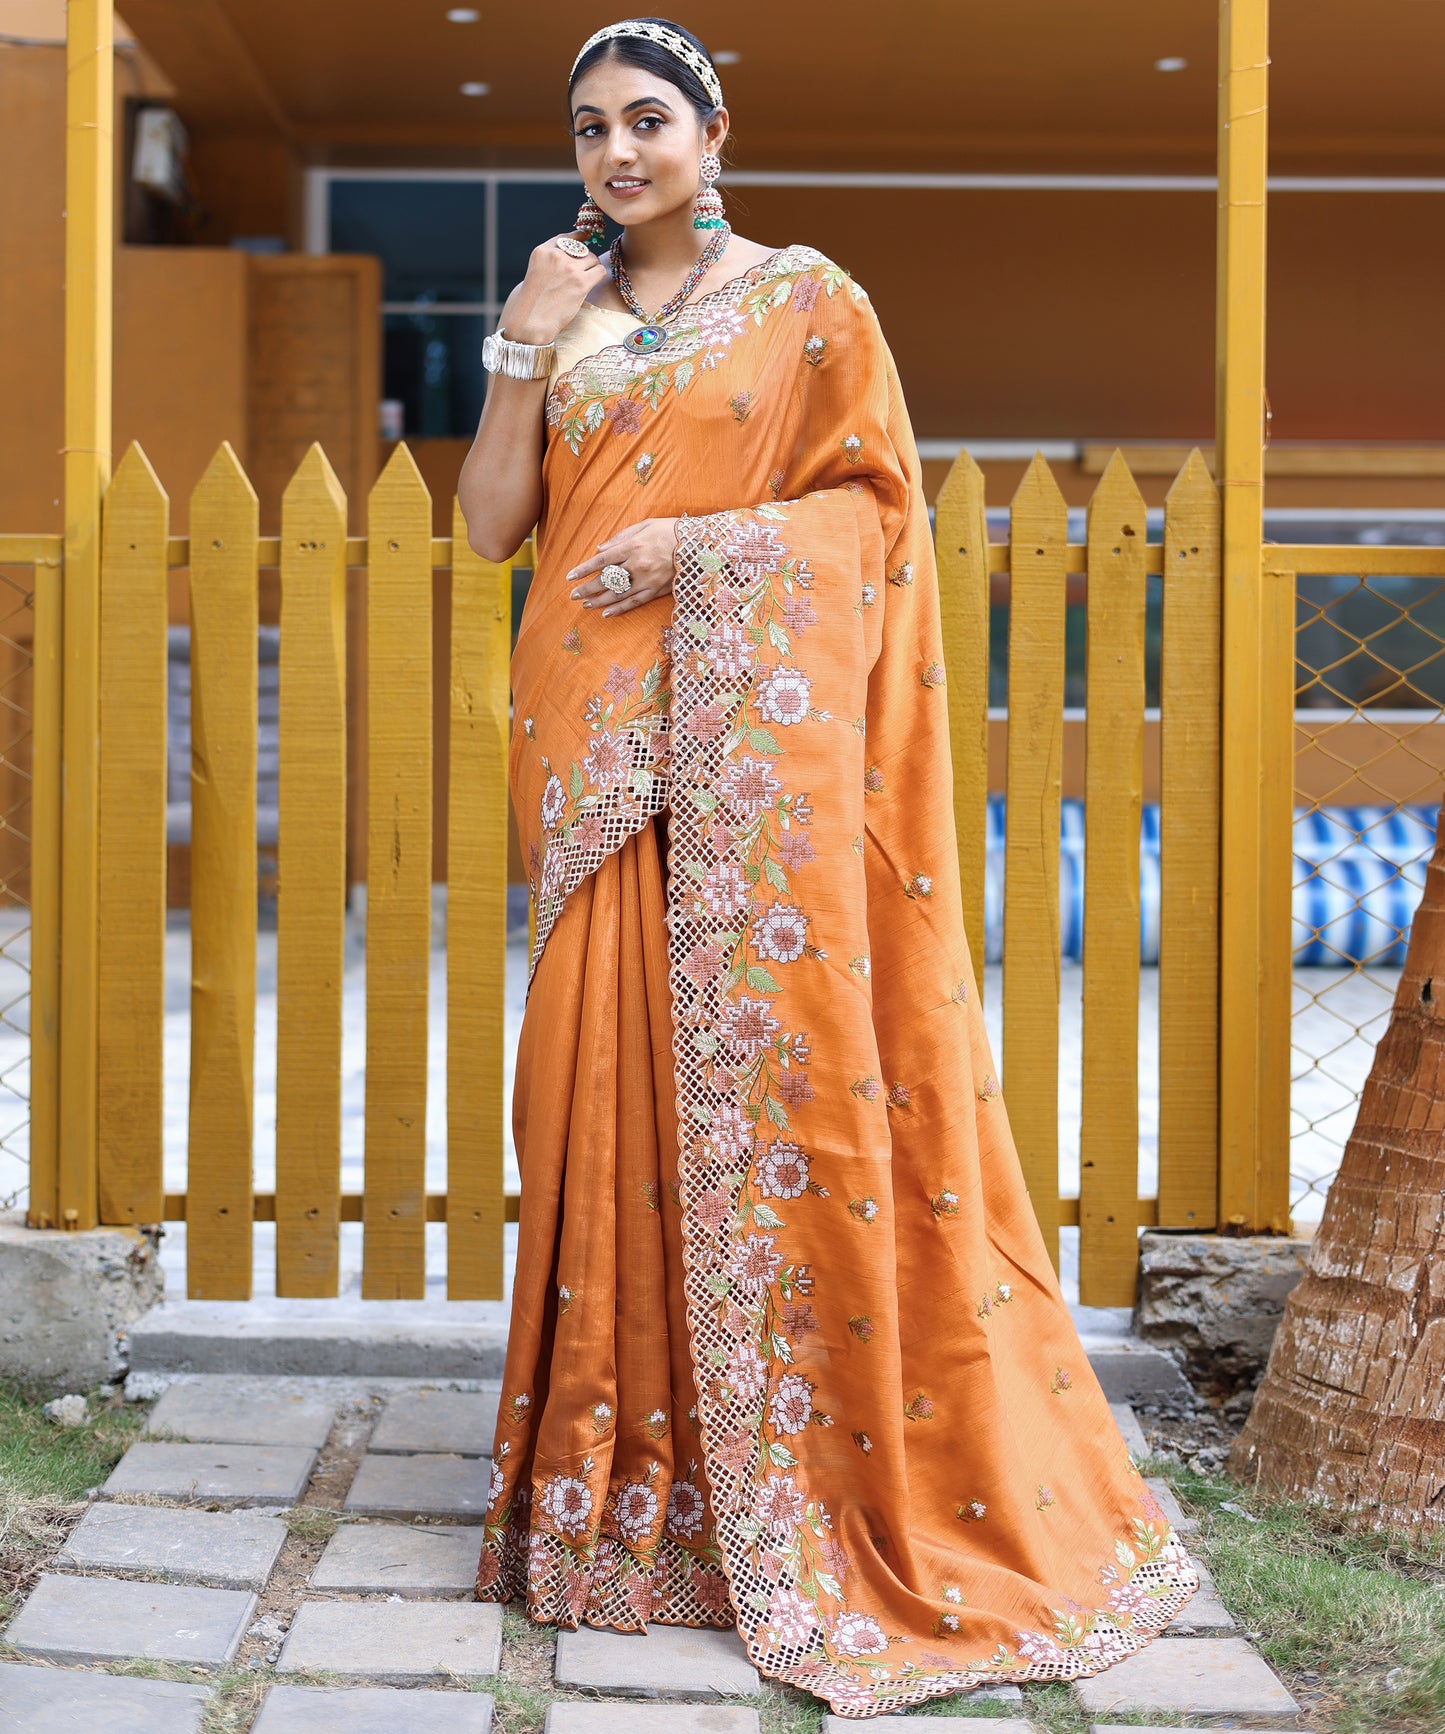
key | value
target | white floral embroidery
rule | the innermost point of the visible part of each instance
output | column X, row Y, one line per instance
column 636, row 1509
column 782, row 1170
column 568, row 1502
column 554, row 802
column 783, row 696
column 791, row 1405
column 685, row 1507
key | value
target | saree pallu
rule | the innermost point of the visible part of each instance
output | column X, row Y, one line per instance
column 787, row 1350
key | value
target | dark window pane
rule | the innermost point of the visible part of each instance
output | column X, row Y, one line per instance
column 433, row 363
column 528, row 212
column 431, row 236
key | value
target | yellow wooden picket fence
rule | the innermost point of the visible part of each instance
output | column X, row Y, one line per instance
column 225, row 552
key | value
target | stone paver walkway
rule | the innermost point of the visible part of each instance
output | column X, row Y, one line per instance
column 324, row 1537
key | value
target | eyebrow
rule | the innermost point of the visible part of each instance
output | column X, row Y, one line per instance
column 642, row 102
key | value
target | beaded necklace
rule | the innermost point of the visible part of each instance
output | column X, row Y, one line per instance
column 650, row 334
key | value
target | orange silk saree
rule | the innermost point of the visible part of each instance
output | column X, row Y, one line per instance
column 787, row 1350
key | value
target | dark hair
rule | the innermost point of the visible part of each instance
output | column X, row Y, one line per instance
column 652, row 57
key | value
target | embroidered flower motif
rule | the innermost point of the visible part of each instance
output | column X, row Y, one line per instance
column 565, row 1297
column 740, row 403
column 852, row 448
column 945, row 1623
column 873, row 780
column 781, row 1171
column 606, row 762
column 601, row 1414
column 973, row 1512
column 901, row 575
column 920, row 885
column 988, row 1089
column 870, row 595
column 754, row 1264
column 748, row 1026
column 1127, row 1599
column 858, row 1635
column 863, row 1442
column 805, row 294
column 791, row 1404
column 636, row 1510
column 568, row 1502
column 643, row 466
column 518, row 1406
column 733, row 658
column 919, row 1408
column 649, row 1194
column 933, row 674
column 959, row 996
column 685, row 1506
column 862, row 1328
column 750, row 787
column 656, row 1424
column 572, row 640
column 898, row 1096
column 1003, row 1293
column 725, row 890
column 554, row 803
column 791, row 1618
column 717, row 326
column 756, row 551
column 1044, row 1498
column 865, row 1209
column 1061, row 1381
column 625, row 416
column 985, row 1306
column 779, row 1506
column 528, row 728
column 781, row 933
column 952, row 1593
column 494, row 1489
column 775, row 483
column 783, row 696
column 944, row 1203
column 813, row 347
column 747, row 1372
column 861, row 965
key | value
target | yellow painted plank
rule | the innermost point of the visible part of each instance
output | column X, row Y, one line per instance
column 89, row 266
column 1113, row 800
column 1038, row 537
column 223, row 596
column 398, row 879
column 961, row 548
column 43, row 1210
column 310, row 910
column 1277, row 754
column 1250, row 1061
column 132, row 886
column 476, row 916
column 1189, row 853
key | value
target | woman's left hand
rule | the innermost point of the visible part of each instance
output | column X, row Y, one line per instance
column 645, row 549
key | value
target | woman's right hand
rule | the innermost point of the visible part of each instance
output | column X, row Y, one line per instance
column 555, row 286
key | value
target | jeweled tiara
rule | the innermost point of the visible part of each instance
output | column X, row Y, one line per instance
column 677, row 46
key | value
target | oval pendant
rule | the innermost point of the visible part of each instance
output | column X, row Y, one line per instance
column 644, row 339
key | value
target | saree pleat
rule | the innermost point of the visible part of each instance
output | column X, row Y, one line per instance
column 787, row 1350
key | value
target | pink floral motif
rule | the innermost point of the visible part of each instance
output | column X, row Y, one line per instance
column 750, row 786
column 805, row 294
column 568, row 1502
column 791, row 1618
column 857, row 1635
column 685, row 1507
column 747, row 1372
column 779, row 1506
column 607, row 760
column 795, row 849
column 753, row 1265
column 636, row 1510
column 781, row 1170
column 783, row 696
column 780, row 933
column 725, row 890
column 756, row 551
column 732, row 652
column 791, row 1405
column 625, row 415
column 554, row 803
column 748, row 1026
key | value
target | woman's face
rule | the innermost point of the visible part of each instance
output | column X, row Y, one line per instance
column 638, row 141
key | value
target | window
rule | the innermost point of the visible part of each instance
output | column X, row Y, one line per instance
column 452, row 244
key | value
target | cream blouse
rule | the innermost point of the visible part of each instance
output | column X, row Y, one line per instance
column 591, row 328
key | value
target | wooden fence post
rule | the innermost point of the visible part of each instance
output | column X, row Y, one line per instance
column 1254, row 956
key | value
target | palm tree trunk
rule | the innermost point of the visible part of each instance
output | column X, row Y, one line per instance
column 1351, row 1411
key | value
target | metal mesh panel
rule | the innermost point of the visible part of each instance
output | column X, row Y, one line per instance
column 1369, row 751
column 17, row 617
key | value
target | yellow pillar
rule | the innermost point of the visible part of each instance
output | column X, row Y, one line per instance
column 1254, row 955
column 89, row 201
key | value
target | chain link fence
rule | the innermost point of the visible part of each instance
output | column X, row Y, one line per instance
column 17, row 620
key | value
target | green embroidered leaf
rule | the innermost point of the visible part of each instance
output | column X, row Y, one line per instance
column 594, row 416
column 766, row 1217
column 574, row 782
column 641, row 780
column 779, row 1454
column 830, row 1585
column 770, row 511
column 782, row 1350
column 1124, row 1554
column 705, row 1042
column 751, row 872
column 650, row 680
column 776, row 876
column 705, row 800
column 683, row 377
column 698, row 629
column 776, row 1112
column 778, row 638
column 760, row 979
column 762, row 741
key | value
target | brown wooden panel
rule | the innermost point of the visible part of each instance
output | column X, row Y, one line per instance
column 398, row 885
column 1109, row 1125
column 310, row 911
column 223, row 880
column 132, row 817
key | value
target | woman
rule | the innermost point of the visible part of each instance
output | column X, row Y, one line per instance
column 786, row 1350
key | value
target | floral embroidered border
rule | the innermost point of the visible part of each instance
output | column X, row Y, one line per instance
column 737, row 833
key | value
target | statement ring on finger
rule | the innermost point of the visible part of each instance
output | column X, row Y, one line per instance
column 573, row 247
column 616, row 578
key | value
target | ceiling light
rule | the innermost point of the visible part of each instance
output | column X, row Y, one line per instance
column 463, row 15
column 1171, row 63
column 473, row 88
column 726, row 57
